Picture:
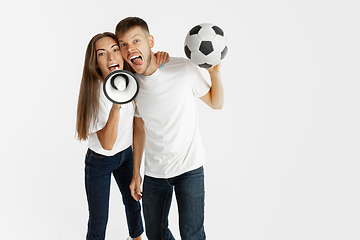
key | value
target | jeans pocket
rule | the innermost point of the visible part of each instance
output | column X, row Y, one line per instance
column 97, row 155
column 95, row 159
column 196, row 172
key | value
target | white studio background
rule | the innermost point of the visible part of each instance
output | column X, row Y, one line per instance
column 282, row 155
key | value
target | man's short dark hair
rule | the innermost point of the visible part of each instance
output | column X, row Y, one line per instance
column 129, row 23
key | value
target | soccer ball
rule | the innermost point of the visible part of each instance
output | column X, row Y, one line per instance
column 206, row 45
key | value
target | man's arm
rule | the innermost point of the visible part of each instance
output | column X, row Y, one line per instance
column 138, row 150
column 215, row 97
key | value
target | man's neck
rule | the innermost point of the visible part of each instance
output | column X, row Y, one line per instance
column 152, row 67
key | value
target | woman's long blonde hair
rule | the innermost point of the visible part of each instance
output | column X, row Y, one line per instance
column 88, row 103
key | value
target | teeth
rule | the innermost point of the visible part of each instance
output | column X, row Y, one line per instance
column 134, row 57
column 113, row 65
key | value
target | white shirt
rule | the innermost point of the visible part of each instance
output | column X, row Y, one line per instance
column 166, row 103
column 125, row 129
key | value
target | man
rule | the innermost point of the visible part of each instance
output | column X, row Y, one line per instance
column 166, row 112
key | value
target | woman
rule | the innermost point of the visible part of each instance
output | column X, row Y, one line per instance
column 108, row 128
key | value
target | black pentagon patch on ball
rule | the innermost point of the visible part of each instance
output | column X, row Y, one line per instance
column 218, row 30
column 206, row 47
column 224, row 52
column 187, row 52
column 195, row 30
column 205, row 65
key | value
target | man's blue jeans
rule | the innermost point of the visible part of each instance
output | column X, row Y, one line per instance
column 98, row 169
column 190, row 196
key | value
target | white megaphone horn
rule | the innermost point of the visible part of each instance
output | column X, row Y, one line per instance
column 121, row 86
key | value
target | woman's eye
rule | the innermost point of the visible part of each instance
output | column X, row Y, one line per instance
column 136, row 41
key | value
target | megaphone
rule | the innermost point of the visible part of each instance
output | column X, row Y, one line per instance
column 121, row 86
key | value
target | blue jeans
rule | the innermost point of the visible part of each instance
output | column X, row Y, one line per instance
column 98, row 169
column 190, row 196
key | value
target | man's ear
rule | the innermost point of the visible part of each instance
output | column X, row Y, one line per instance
column 151, row 41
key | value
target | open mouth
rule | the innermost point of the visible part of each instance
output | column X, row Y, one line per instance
column 114, row 66
column 136, row 60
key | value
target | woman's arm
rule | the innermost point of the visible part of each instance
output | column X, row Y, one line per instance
column 108, row 134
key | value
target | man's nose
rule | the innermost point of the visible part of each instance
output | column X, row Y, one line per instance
column 130, row 48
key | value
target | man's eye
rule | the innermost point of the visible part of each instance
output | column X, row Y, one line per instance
column 122, row 45
column 136, row 41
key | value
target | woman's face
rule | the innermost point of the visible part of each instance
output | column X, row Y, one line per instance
column 108, row 56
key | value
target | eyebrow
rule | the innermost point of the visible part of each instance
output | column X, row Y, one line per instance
column 131, row 38
column 115, row 45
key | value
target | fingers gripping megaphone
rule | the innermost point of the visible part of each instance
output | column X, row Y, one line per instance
column 121, row 86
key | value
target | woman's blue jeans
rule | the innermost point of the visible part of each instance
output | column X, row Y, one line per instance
column 98, row 169
column 190, row 197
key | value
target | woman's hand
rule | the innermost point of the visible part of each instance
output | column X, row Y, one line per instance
column 161, row 59
column 116, row 106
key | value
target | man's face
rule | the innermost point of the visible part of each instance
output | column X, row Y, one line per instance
column 135, row 47
column 108, row 56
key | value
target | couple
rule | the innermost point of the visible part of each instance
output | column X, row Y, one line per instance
column 164, row 116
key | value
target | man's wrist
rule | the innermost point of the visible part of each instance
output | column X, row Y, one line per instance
column 136, row 173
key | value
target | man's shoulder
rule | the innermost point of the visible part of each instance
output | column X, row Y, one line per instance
column 178, row 60
column 180, row 64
